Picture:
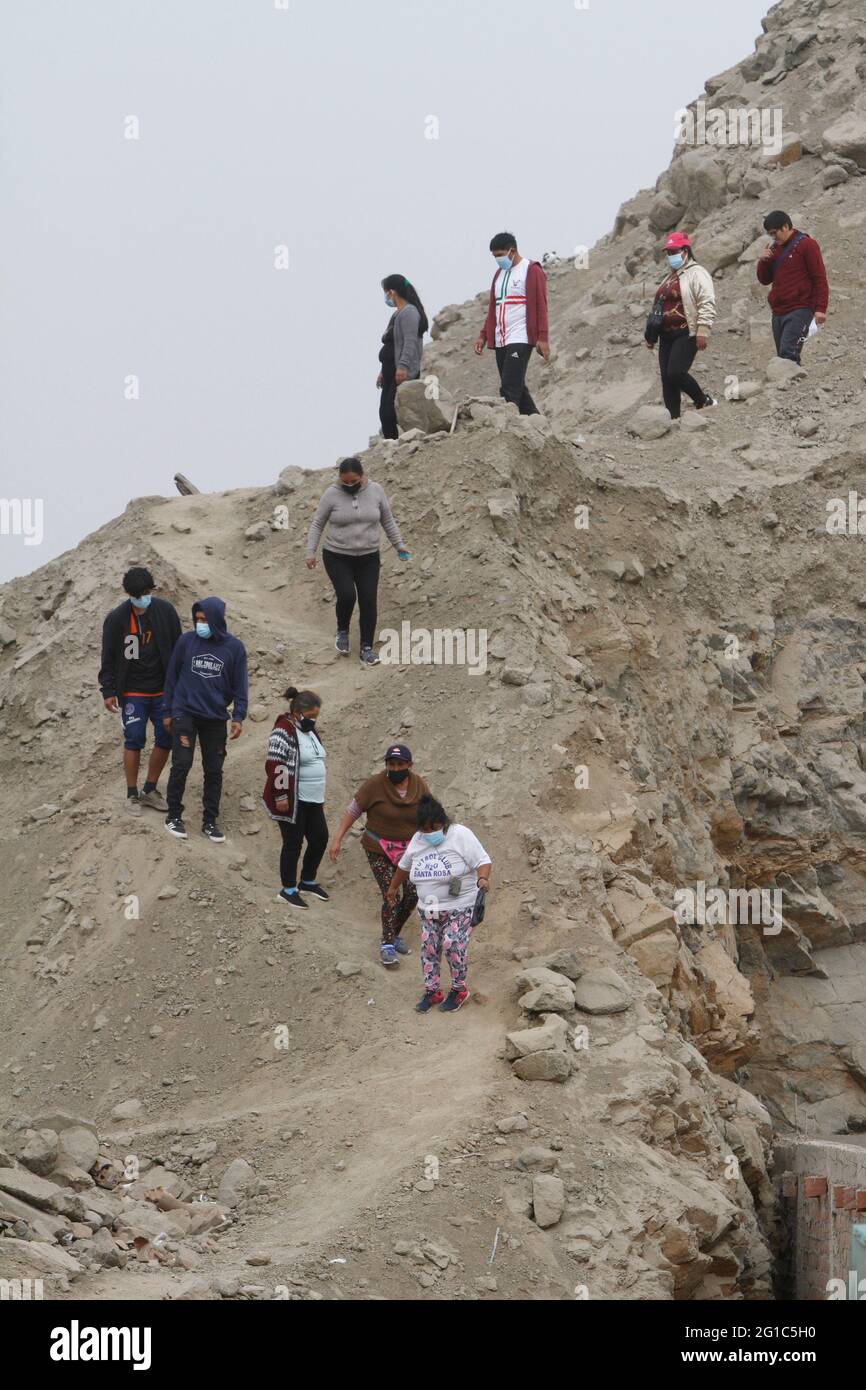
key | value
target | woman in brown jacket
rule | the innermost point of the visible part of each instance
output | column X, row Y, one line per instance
column 390, row 801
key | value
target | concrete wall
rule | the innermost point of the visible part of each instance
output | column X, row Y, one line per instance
column 821, row 1196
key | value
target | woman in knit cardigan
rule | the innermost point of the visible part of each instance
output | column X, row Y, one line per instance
column 390, row 802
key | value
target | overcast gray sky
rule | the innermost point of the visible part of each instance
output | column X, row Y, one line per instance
column 296, row 123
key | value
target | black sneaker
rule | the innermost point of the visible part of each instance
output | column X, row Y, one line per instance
column 292, row 897
column 342, row 643
column 316, row 890
column 456, row 999
column 369, row 656
column 176, row 827
column 213, row 832
column 429, row 1001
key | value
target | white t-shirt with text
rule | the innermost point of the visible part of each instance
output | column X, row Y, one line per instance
column 431, row 869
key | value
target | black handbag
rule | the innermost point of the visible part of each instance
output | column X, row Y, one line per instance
column 654, row 322
column 478, row 909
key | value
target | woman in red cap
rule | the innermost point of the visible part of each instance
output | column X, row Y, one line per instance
column 390, row 801
column 688, row 308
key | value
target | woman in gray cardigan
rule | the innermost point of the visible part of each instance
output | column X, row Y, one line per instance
column 353, row 509
column 400, row 354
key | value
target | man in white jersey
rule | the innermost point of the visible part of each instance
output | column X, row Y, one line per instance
column 516, row 319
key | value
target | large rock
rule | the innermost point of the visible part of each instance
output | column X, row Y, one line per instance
column 35, row 1259
column 548, row 1199
column 29, row 1187
column 40, row 1152
column 665, row 211
column 601, row 992
column 237, row 1182
column 780, row 370
column 650, row 422
column 554, row 1065
column 657, row 956
column 847, row 137
column 698, row 182
column 523, row 1042
column 79, row 1147
column 423, row 407
column 547, row 992
column 58, row 1120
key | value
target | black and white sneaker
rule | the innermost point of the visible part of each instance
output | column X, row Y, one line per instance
column 342, row 643
column 315, row 890
column 292, row 897
column 176, row 827
column 708, row 401
column 213, row 832
column 369, row 657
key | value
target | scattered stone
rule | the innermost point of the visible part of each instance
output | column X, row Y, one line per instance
column 548, row 1199
column 40, row 1152
column 127, row 1109
column 510, row 1123
column 346, row 968
column 237, row 1182
column 602, row 992
column 650, row 422
column 416, row 409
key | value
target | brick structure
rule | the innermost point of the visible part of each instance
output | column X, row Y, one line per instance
column 820, row 1185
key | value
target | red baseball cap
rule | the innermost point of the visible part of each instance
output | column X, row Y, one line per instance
column 676, row 241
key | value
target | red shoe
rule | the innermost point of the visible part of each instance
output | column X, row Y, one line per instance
column 425, row 1004
column 456, row 999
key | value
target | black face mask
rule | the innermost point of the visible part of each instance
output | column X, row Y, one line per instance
column 397, row 775
column 351, row 488
column 307, row 725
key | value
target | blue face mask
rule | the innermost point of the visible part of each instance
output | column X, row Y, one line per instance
column 434, row 837
column 389, row 302
column 203, row 629
column 503, row 262
column 141, row 603
column 675, row 261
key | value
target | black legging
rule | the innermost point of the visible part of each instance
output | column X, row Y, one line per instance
column 676, row 354
column 310, row 825
column 388, row 406
column 351, row 574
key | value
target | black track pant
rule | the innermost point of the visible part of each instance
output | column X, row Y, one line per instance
column 211, row 735
column 353, row 575
column 676, row 354
column 310, row 825
column 512, row 362
column 388, row 407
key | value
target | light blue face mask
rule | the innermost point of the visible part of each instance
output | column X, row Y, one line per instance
column 503, row 262
column 434, row 837
column 389, row 302
column 141, row 603
column 203, row 629
column 675, row 261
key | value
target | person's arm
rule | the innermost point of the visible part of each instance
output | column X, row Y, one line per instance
column 481, row 341
column 317, row 525
column 106, row 677
column 350, row 815
column 539, row 289
column 398, row 878
column 171, row 675
column 174, row 627
column 818, row 273
column 389, row 525
column 765, row 266
column 279, row 756
column 705, row 301
column 408, row 359
column 240, row 691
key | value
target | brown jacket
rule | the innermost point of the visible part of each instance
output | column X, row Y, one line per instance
column 389, row 815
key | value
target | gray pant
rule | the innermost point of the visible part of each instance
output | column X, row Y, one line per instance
column 790, row 332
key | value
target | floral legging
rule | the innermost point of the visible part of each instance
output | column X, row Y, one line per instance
column 447, row 930
column 393, row 918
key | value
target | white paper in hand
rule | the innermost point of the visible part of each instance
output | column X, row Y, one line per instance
column 814, row 327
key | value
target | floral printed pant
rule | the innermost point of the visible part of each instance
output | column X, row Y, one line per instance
column 393, row 918
column 448, row 930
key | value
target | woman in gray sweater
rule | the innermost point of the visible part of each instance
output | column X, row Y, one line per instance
column 400, row 354
column 353, row 509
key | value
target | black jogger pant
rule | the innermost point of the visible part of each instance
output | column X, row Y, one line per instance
column 310, row 825
column 790, row 332
column 211, row 734
column 512, row 362
column 388, row 407
column 351, row 575
column 676, row 354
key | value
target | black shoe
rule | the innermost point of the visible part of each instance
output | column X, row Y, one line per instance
column 315, row 890
column 456, row 999
column 292, row 897
column 176, row 827
column 429, row 1001
column 213, row 832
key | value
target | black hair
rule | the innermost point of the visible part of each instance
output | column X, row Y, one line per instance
column 352, row 466
column 503, row 241
column 301, row 700
column 400, row 285
column 430, row 810
column 775, row 221
column 138, row 581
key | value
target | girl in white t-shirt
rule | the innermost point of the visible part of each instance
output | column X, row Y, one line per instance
column 447, row 865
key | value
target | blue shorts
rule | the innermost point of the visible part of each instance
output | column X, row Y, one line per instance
column 135, row 710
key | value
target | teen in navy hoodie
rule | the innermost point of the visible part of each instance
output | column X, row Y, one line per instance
column 207, row 672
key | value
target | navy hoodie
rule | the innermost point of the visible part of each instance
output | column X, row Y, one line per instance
column 205, row 674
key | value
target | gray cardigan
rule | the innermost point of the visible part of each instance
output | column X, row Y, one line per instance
column 353, row 522
column 407, row 341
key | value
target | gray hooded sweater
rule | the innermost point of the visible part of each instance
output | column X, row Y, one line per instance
column 353, row 522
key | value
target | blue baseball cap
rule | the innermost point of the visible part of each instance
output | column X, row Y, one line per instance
column 399, row 750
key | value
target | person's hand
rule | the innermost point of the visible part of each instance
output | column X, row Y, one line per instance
column 167, row 721
column 651, row 346
column 402, row 555
column 480, row 344
column 483, row 883
column 111, row 704
column 310, row 562
column 282, row 804
column 391, row 896
column 334, row 849
column 400, row 375
column 820, row 318
column 236, row 729
column 767, row 251
column 701, row 342
column 380, row 381
column 544, row 349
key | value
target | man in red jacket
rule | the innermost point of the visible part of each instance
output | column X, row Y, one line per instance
column 793, row 265
column 516, row 319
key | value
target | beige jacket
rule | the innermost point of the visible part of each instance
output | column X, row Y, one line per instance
column 699, row 298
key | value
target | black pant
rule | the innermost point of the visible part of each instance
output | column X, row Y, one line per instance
column 388, row 407
column 512, row 362
column 351, row 574
column 676, row 354
column 211, row 734
column 310, row 825
column 790, row 331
